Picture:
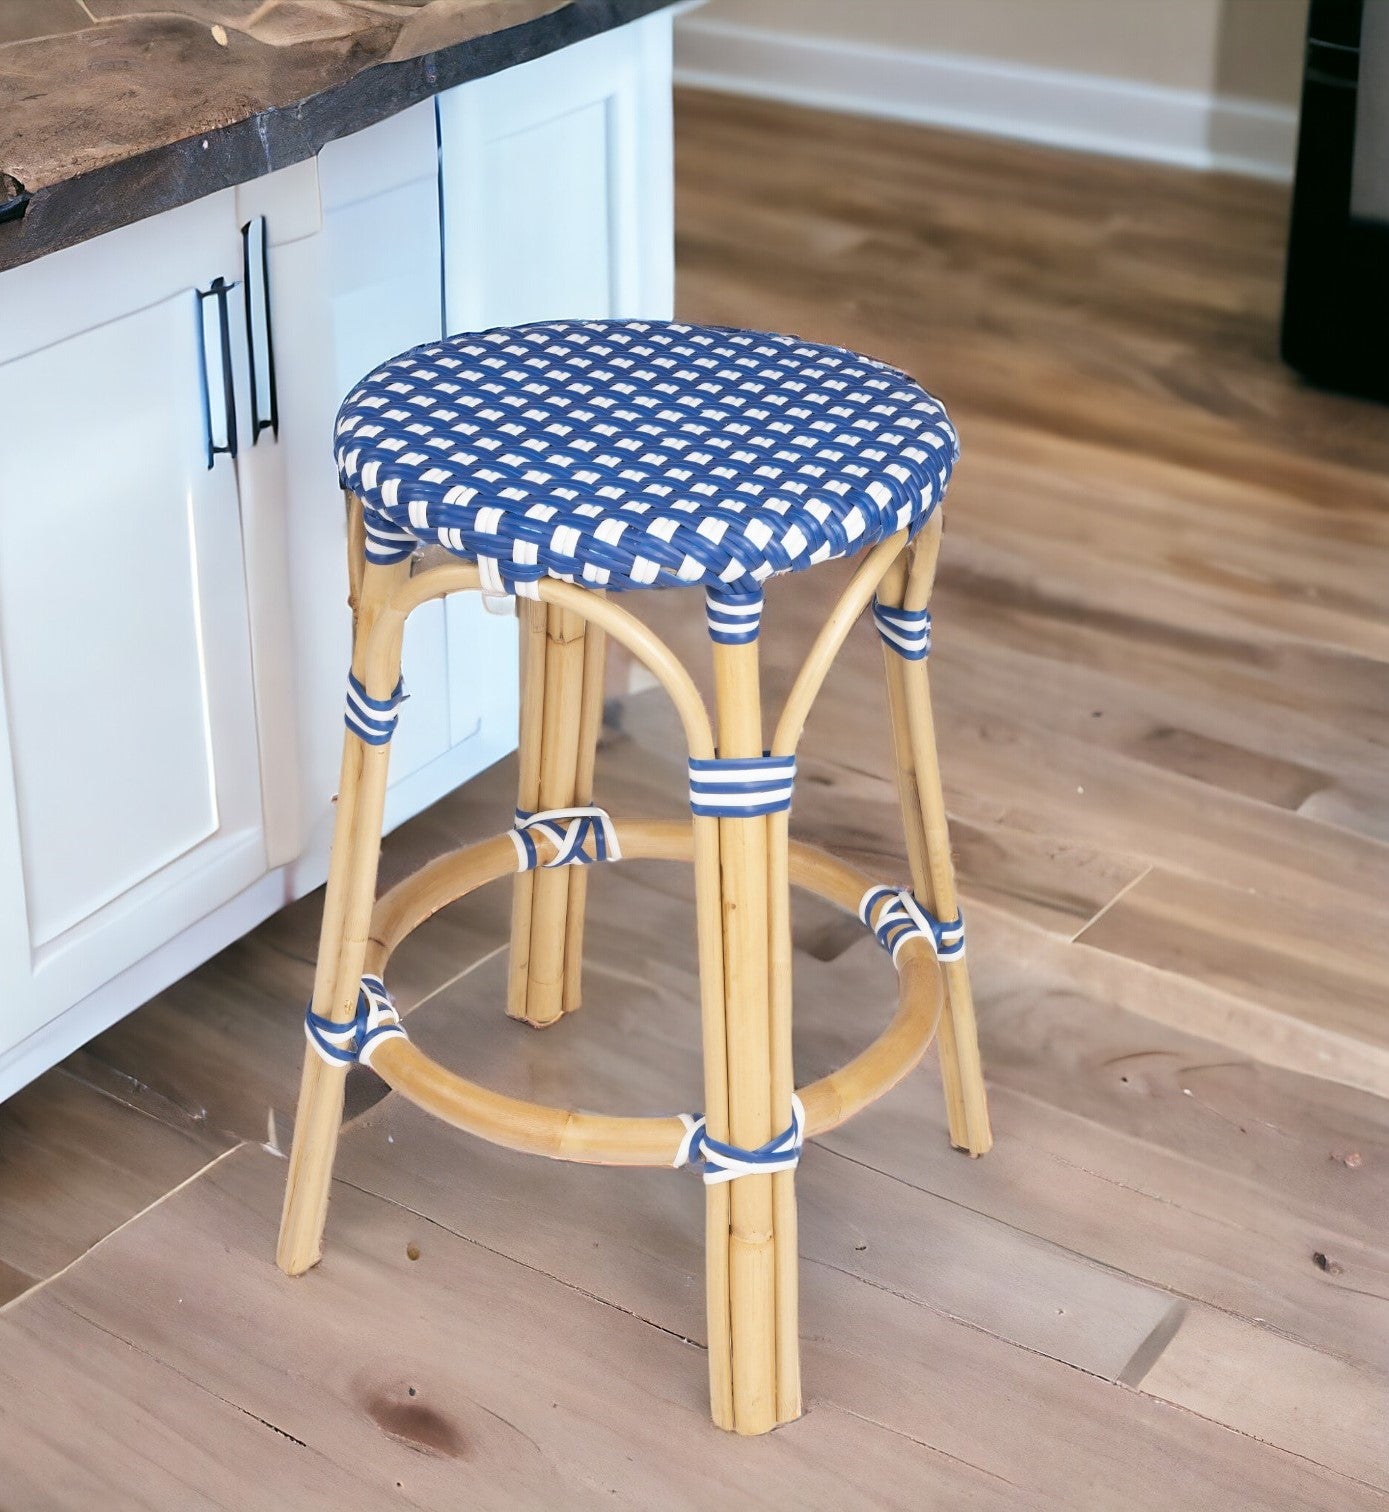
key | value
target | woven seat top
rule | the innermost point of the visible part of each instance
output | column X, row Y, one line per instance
column 623, row 454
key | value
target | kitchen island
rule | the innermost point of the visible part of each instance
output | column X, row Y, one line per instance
column 180, row 315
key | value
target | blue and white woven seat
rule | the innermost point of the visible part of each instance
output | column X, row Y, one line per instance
column 629, row 454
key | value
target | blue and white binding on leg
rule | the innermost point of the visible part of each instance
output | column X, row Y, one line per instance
column 906, row 631
column 741, row 787
column 355, row 1041
column 734, row 619
column 903, row 919
column 372, row 720
column 724, row 1162
column 580, row 836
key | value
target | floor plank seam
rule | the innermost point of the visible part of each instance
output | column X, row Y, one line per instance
column 1177, row 1295
column 951, row 1317
column 192, row 1381
column 1254, row 1438
column 911, row 1438
column 1123, row 891
column 288, row 954
column 467, row 971
column 1311, row 1216
column 1123, row 1186
column 1119, row 1385
column 177, row 1117
column 537, row 1270
column 1245, row 1032
column 120, row 1228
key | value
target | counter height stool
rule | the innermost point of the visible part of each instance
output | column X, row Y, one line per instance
column 564, row 463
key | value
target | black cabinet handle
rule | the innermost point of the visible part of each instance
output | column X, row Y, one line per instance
column 255, row 252
column 215, row 321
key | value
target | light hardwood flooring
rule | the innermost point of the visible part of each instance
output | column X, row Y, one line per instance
column 1162, row 671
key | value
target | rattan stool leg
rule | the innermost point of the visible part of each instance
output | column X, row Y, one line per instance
column 928, row 845
column 788, row 1336
column 585, row 764
column 761, row 1265
column 342, row 942
column 561, row 716
column 533, row 616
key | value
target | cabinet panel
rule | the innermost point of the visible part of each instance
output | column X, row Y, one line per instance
column 522, row 276
column 87, row 706
column 556, row 185
column 130, row 753
column 362, row 287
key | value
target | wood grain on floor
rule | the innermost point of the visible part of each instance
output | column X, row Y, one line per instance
column 1162, row 673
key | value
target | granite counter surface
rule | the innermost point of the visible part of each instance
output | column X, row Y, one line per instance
column 113, row 110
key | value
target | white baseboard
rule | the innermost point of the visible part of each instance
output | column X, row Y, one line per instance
column 1085, row 111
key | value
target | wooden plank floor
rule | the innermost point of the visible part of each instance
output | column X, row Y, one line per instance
column 1162, row 675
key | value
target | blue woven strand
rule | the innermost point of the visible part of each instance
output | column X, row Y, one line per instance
column 903, row 918
column 741, row 787
column 906, row 631
column 719, row 1162
column 624, row 454
column 387, row 543
column 580, row 836
column 353, row 1042
column 734, row 618
column 372, row 720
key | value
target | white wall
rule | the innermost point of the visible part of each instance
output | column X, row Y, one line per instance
column 1208, row 83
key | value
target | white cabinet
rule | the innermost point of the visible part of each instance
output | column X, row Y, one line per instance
column 129, row 780
column 174, row 636
column 556, row 185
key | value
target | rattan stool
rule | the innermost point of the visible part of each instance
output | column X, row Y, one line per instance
column 563, row 463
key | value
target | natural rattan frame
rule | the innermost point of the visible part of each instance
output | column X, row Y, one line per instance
column 744, row 869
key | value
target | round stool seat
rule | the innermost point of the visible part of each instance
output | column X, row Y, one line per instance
column 629, row 454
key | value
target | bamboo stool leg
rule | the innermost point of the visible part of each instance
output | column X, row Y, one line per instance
column 717, row 1205
column 761, row 1279
column 561, row 717
column 788, row 1332
column 532, row 616
column 928, row 844
column 586, row 761
column 342, row 942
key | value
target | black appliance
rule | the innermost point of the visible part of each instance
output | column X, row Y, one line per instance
column 1336, row 299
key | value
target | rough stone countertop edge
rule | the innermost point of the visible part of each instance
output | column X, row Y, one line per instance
column 77, row 209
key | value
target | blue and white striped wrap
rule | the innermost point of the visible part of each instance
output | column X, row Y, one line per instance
column 386, row 542
column 733, row 618
column 581, row 836
column 356, row 1040
column 903, row 919
column 372, row 720
column 906, row 631
column 724, row 1162
column 741, row 787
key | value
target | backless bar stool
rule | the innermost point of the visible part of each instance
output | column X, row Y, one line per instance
column 563, row 463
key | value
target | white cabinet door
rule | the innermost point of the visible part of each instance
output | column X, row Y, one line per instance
column 556, row 185
column 129, row 786
column 351, row 284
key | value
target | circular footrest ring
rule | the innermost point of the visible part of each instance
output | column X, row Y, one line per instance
column 611, row 1139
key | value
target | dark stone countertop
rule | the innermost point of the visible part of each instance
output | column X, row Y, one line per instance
column 158, row 102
